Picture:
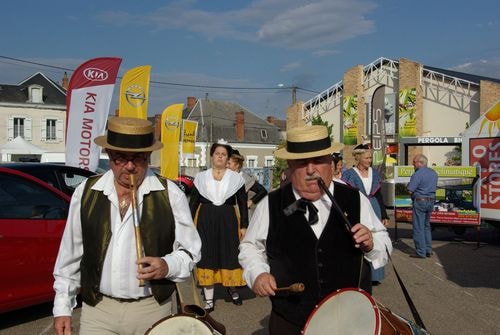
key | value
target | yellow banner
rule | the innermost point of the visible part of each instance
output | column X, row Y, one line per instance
column 134, row 92
column 350, row 115
column 170, row 132
column 408, row 112
column 189, row 128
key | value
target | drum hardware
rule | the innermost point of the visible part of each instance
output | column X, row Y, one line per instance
column 296, row 288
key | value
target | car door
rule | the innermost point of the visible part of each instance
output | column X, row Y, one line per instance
column 32, row 219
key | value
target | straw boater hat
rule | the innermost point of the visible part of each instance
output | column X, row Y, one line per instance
column 307, row 142
column 129, row 134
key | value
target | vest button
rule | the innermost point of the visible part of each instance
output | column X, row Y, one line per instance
column 320, row 250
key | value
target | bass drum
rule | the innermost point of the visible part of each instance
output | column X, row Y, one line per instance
column 353, row 311
column 179, row 324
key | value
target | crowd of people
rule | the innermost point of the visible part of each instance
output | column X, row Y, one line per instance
column 131, row 235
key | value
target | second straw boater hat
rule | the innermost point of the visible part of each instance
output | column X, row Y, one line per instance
column 129, row 134
column 307, row 142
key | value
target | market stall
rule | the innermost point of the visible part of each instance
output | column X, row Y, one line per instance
column 457, row 196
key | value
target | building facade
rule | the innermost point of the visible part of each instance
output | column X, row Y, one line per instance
column 34, row 109
column 426, row 108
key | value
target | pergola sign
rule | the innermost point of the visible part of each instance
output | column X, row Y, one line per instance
column 425, row 140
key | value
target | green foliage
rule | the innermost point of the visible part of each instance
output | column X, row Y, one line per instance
column 317, row 120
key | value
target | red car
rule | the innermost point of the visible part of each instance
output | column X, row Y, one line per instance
column 32, row 219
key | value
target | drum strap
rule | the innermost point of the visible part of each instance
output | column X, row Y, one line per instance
column 194, row 310
column 413, row 309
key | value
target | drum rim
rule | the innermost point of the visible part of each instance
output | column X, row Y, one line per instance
column 342, row 290
column 173, row 316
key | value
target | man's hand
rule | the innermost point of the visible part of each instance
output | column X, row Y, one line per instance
column 265, row 285
column 62, row 325
column 152, row 268
column 362, row 236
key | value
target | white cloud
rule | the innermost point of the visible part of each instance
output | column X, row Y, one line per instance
column 482, row 67
column 284, row 23
column 324, row 53
column 290, row 66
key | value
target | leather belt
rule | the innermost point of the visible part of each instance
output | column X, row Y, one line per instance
column 424, row 198
column 126, row 299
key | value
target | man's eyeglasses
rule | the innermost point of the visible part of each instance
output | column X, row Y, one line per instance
column 123, row 160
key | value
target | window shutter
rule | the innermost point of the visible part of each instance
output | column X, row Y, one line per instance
column 43, row 132
column 27, row 129
column 59, row 130
column 10, row 129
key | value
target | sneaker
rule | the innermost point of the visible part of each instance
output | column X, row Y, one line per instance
column 416, row 256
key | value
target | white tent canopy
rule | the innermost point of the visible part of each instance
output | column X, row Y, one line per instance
column 19, row 146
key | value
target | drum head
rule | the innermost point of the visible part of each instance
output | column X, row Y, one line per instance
column 179, row 324
column 345, row 312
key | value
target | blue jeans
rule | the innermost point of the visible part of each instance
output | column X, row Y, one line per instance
column 422, row 210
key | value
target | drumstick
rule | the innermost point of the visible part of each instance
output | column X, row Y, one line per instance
column 296, row 287
column 135, row 217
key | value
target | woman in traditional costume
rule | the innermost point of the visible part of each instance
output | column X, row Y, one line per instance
column 218, row 204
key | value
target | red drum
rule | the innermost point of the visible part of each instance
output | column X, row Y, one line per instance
column 352, row 311
column 179, row 324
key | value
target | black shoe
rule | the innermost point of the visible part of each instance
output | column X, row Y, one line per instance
column 235, row 297
column 416, row 256
column 429, row 254
column 376, row 283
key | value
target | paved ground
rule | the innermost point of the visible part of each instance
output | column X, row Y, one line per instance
column 457, row 291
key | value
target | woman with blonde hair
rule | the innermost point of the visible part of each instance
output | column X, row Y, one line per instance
column 369, row 182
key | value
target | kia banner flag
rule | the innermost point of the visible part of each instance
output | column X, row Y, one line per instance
column 378, row 128
column 188, row 140
column 134, row 92
column 170, row 134
column 87, row 107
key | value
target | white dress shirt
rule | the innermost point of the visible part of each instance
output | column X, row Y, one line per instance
column 252, row 256
column 120, row 270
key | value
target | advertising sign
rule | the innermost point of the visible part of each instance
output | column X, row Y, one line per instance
column 457, row 195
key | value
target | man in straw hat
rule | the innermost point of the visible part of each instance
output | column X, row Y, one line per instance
column 97, row 257
column 296, row 236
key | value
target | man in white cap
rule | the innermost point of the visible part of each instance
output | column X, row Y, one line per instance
column 296, row 236
column 97, row 257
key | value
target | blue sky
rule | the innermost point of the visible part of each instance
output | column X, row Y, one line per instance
column 247, row 44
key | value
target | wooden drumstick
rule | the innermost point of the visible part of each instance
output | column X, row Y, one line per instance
column 135, row 217
column 296, row 287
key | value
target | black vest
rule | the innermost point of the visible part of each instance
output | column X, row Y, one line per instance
column 157, row 232
column 296, row 255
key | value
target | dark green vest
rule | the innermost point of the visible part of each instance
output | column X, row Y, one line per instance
column 157, row 232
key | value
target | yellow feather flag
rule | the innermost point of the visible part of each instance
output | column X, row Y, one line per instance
column 188, row 137
column 170, row 133
column 134, row 92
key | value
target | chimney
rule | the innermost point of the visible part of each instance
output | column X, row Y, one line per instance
column 240, row 125
column 65, row 81
column 271, row 120
column 191, row 101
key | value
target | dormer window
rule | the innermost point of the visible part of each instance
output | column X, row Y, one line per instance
column 35, row 94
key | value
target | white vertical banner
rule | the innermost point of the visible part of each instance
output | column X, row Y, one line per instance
column 90, row 91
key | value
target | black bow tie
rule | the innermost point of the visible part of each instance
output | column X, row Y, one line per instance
column 301, row 205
